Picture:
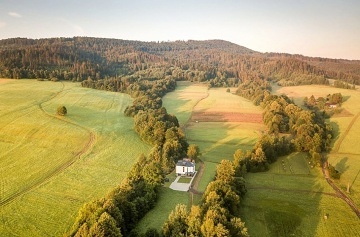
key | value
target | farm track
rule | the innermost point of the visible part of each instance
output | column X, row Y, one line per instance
column 338, row 192
column 199, row 175
column 192, row 111
column 63, row 166
column 341, row 139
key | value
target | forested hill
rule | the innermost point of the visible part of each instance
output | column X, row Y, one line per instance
column 220, row 62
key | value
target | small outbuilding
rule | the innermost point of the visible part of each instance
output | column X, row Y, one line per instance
column 185, row 167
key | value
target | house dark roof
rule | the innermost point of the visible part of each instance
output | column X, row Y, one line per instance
column 185, row 163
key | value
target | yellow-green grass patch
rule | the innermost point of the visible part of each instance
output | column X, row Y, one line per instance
column 182, row 101
column 221, row 101
column 282, row 213
column 218, row 141
column 348, row 141
column 52, row 165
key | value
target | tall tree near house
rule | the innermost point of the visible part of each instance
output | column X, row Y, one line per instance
column 193, row 152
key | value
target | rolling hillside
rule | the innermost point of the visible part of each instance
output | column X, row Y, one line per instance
column 81, row 58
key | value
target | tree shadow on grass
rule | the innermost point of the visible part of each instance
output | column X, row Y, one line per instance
column 281, row 209
column 335, row 134
column 345, row 98
column 341, row 165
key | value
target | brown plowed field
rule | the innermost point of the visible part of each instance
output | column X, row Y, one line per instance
column 226, row 117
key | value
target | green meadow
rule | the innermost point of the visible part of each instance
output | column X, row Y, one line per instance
column 51, row 165
column 292, row 199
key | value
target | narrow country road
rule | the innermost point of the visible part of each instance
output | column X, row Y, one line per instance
column 339, row 193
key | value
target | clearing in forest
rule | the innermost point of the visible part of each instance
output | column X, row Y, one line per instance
column 51, row 165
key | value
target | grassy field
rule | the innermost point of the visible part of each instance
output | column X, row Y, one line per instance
column 49, row 165
column 182, row 101
column 284, row 203
column 345, row 155
column 168, row 199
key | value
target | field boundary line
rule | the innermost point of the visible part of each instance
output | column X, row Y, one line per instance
column 341, row 139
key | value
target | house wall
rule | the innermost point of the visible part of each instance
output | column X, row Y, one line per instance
column 184, row 170
column 179, row 170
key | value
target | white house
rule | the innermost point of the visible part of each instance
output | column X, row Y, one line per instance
column 185, row 167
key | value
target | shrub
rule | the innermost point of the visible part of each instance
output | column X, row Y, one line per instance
column 61, row 110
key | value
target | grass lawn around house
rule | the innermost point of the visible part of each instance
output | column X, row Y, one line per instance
column 184, row 180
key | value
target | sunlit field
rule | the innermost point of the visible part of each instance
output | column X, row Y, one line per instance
column 51, row 165
column 182, row 101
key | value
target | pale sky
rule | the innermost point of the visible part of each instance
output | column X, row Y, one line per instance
column 325, row 28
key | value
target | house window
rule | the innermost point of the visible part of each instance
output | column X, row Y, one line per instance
column 183, row 169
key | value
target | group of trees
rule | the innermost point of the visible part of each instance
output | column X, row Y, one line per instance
column 218, row 214
column 290, row 128
column 254, row 90
column 322, row 103
column 328, row 105
column 344, row 85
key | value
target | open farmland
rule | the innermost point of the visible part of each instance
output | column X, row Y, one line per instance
column 50, row 165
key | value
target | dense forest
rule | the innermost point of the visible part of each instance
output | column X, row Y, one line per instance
column 116, row 61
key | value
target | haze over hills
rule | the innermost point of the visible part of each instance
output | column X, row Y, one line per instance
column 81, row 58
